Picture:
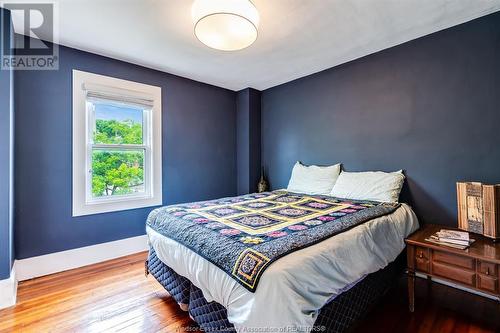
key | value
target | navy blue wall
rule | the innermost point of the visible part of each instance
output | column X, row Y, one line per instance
column 199, row 140
column 430, row 106
column 6, row 220
column 248, row 148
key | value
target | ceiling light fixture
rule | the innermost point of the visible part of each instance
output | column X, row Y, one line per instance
column 226, row 25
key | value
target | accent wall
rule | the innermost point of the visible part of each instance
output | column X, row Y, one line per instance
column 199, row 158
column 430, row 106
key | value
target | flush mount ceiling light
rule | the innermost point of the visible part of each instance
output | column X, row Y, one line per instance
column 226, row 25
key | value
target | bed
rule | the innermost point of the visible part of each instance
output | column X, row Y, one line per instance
column 277, row 260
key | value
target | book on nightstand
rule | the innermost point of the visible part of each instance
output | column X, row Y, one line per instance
column 452, row 238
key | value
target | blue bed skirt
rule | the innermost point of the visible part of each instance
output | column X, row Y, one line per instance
column 340, row 315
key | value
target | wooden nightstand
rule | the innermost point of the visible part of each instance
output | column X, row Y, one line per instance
column 476, row 267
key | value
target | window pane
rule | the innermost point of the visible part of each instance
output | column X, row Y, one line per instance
column 116, row 124
column 117, row 172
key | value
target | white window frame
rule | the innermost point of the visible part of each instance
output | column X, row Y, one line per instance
column 84, row 203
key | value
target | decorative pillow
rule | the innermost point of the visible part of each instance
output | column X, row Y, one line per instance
column 371, row 185
column 313, row 179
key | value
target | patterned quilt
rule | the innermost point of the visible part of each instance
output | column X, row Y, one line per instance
column 244, row 235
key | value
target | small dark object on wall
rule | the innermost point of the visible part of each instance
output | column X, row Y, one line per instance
column 263, row 185
column 479, row 208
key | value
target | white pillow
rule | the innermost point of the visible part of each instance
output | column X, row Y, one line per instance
column 313, row 179
column 371, row 185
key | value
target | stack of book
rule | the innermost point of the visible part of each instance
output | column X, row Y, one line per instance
column 452, row 238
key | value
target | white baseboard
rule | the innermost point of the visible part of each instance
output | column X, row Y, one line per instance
column 453, row 285
column 8, row 290
column 62, row 261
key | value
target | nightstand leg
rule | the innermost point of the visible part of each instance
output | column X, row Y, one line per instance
column 411, row 291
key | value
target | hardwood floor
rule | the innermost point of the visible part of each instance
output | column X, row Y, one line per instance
column 115, row 296
column 438, row 308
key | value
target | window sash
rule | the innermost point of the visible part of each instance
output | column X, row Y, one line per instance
column 147, row 126
column 120, row 197
column 148, row 160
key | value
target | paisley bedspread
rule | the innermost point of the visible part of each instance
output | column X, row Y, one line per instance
column 244, row 235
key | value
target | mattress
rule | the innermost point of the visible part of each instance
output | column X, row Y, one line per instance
column 294, row 288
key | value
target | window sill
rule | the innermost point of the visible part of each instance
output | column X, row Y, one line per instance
column 115, row 206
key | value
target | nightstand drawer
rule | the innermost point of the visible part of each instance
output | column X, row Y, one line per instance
column 487, row 268
column 487, row 283
column 453, row 259
column 422, row 259
column 453, row 273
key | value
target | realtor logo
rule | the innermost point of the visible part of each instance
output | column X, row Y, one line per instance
column 36, row 45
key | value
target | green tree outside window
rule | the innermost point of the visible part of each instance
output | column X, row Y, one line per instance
column 115, row 171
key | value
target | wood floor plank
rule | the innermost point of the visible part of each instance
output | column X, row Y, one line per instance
column 438, row 308
column 114, row 296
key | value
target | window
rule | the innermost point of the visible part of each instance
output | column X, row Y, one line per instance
column 116, row 144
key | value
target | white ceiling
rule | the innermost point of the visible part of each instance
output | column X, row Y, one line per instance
column 296, row 37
